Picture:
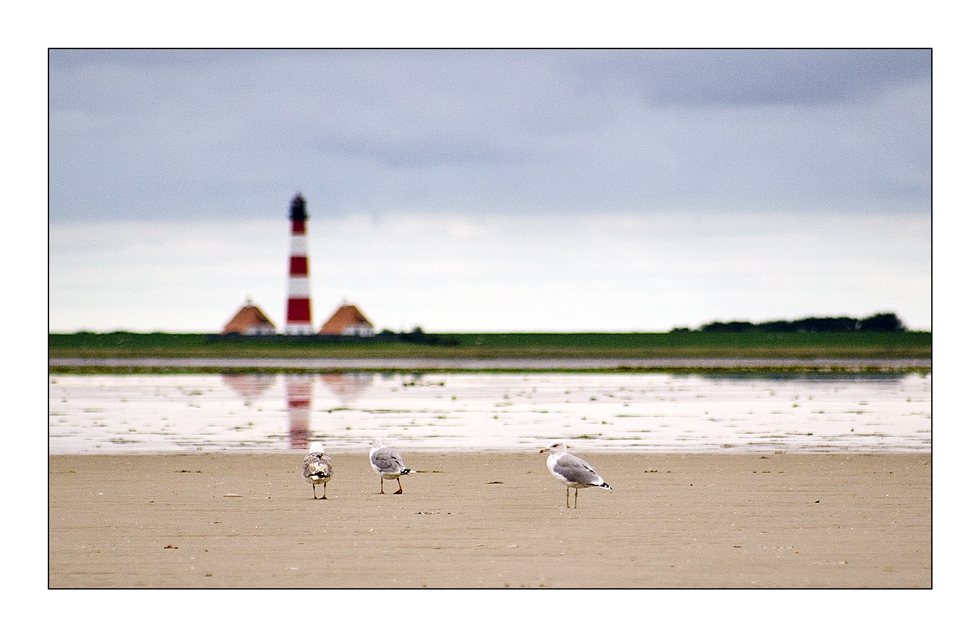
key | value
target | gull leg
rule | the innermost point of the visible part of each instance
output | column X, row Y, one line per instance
column 576, row 498
column 382, row 485
column 314, row 490
column 566, row 499
column 399, row 481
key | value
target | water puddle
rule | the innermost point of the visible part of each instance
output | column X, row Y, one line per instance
column 148, row 413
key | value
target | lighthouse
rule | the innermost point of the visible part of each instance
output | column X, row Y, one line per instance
column 298, row 312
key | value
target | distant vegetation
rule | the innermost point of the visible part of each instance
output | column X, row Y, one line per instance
column 419, row 337
column 887, row 322
column 688, row 344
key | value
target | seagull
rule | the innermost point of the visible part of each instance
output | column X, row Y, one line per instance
column 573, row 472
column 388, row 463
column 317, row 469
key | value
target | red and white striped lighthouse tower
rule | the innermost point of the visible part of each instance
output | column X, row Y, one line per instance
column 299, row 316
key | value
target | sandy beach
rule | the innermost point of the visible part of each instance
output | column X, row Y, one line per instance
column 475, row 520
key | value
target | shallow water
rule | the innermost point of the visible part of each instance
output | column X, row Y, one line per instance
column 149, row 413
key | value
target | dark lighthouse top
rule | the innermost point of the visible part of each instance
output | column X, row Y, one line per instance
column 297, row 211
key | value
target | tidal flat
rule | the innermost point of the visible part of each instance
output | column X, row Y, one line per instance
column 650, row 413
column 492, row 520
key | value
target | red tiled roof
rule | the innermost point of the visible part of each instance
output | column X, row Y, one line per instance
column 249, row 316
column 345, row 316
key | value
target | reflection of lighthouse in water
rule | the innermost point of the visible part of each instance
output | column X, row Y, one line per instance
column 299, row 401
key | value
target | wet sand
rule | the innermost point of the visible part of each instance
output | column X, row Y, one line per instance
column 494, row 363
column 477, row 520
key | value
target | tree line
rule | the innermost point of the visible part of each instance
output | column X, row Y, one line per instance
column 883, row 322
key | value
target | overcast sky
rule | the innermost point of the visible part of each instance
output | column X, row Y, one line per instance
column 491, row 190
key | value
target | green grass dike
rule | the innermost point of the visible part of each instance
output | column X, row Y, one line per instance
column 678, row 344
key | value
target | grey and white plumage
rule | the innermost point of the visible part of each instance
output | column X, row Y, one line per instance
column 388, row 464
column 572, row 471
column 317, row 468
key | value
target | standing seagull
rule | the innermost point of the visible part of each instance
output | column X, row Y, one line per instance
column 573, row 472
column 388, row 463
column 317, row 469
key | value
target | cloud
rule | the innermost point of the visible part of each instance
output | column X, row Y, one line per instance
column 754, row 77
column 226, row 134
column 452, row 272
